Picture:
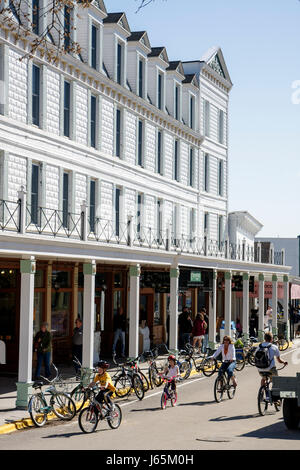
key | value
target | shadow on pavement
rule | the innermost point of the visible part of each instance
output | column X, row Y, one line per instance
column 197, row 403
column 234, row 418
column 274, row 431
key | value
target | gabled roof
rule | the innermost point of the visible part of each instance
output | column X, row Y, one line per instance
column 100, row 4
column 215, row 60
column 159, row 52
column 191, row 79
column 140, row 36
column 176, row 66
column 118, row 18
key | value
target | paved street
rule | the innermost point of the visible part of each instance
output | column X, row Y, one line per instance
column 196, row 423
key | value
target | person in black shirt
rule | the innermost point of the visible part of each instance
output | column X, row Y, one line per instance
column 185, row 327
column 119, row 331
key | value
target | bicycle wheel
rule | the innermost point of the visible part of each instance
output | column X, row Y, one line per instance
column 262, row 401
column 283, row 344
column 250, row 356
column 240, row 362
column 88, row 419
column 219, row 388
column 154, row 377
column 185, row 369
column 137, row 385
column 114, row 417
column 63, row 406
column 209, row 367
column 230, row 390
column 163, row 400
column 123, row 385
column 79, row 396
column 144, row 381
column 174, row 398
column 38, row 410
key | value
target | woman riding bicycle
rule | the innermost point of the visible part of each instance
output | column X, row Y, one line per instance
column 228, row 358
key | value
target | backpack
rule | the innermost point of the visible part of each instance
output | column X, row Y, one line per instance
column 261, row 357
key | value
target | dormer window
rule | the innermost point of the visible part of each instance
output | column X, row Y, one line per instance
column 177, row 103
column 160, row 91
column 141, row 78
column 192, row 112
column 120, row 54
column 67, row 28
column 94, row 48
column 35, row 16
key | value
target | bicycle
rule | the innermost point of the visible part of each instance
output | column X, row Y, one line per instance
column 90, row 416
column 168, row 395
column 126, row 380
column 280, row 342
column 79, row 393
column 61, row 404
column 264, row 397
column 207, row 364
column 153, row 370
column 223, row 384
column 134, row 364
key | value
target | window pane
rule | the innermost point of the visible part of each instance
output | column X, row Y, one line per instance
column 141, row 78
column 65, row 199
column 94, row 47
column 35, row 16
column 61, row 305
column 93, row 121
column 34, row 193
column 35, row 95
column 67, row 100
column 92, row 205
column 118, row 133
column 119, row 64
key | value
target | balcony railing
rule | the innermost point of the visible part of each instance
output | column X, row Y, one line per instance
column 23, row 218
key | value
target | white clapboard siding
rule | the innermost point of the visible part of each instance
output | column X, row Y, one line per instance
column 130, row 137
column 107, row 126
column 17, row 87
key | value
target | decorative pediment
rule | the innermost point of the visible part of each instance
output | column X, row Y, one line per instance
column 141, row 37
column 215, row 64
column 100, row 4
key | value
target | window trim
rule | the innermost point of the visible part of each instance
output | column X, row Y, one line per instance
column 36, row 120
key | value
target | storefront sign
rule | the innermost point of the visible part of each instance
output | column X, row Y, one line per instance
column 195, row 276
column 268, row 291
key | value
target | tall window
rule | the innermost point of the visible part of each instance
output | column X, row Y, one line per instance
column 206, row 223
column 140, row 142
column 192, row 112
column 34, row 193
column 94, row 36
column 159, row 166
column 67, row 27
column 118, row 133
column 220, row 178
column 35, row 95
column 141, row 78
column 206, row 118
column 65, row 200
column 119, row 63
column 192, row 222
column 35, row 16
column 206, row 173
column 220, row 231
column 221, row 126
column 117, row 211
column 159, row 219
column 191, row 168
column 92, row 204
column 160, row 91
column 139, row 213
column 93, row 121
column 177, row 102
column 176, row 160
column 67, row 108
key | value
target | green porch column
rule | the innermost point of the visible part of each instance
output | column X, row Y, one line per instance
column 286, row 306
column 134, row 309
column 261, row 302
column 227, row 317
column 89, row 272
column 274, row 305
column 213, row 313
column 174, row 280
column 246, row 308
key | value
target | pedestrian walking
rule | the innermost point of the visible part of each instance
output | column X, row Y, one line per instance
column 77, row 343
column 185, row 325
column 268, row 318
column 42, row 344
column 205, row 339
column 119, row 331
column 198, row 332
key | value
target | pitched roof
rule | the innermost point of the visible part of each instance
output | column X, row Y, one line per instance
column 176, row 66
column 159, row 52
column 117, row 18
column 140, row 36
column 192, row 79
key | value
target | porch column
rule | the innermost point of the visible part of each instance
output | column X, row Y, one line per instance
column 227, row 317
column 27, row 269
column 286, row 306
column 261, row 306
column 134, row 309
column 174, row 279
column 246, row 307
column 89, row 272
column 212, row 315
column 274, row 305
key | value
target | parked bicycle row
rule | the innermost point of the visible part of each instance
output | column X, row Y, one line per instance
column 94, row 401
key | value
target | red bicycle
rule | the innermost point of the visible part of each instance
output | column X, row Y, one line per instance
column 168, row 394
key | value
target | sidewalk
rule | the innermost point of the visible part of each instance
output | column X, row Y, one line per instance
column 12, row 419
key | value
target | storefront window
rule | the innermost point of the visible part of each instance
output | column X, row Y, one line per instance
column 8, row 278
column 39, row 279
column 61, row 306
column 117, row 301
column 118, row 280
column 37, row 311
column 61, row 279
column 101, row 279
column 157, row 310
column 7, row 314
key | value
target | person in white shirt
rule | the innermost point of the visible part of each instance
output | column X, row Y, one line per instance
column 268, row 318
column 228, row 358
column 273, row 352
column 172, row 371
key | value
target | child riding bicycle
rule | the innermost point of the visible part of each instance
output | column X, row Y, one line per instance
column 172, row 372
column 105, row 383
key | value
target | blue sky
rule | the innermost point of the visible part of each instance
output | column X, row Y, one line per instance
column 260, row 41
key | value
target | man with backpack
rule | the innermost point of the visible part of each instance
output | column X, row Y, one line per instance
column 265, row 358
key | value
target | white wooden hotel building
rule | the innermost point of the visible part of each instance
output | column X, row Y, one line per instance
column 114, row 192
